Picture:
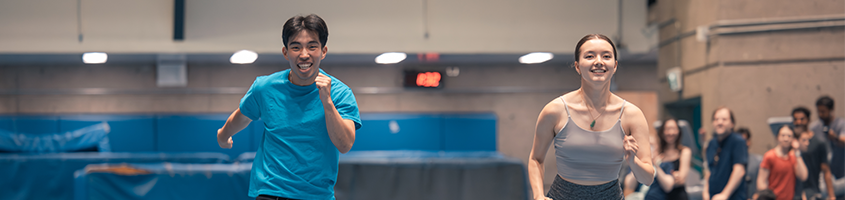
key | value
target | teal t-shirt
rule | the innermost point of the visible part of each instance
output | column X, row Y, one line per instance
column 296, row 158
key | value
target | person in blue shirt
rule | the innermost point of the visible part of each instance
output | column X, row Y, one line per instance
column 309, row 118
column 727, row 158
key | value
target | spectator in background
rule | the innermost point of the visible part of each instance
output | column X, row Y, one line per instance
column 727, row 157
column 746, row 134
column 814, row 155
column 781, row 165
column 765, row 195
column 832, row 129
column 753, row 162
column 673, row 159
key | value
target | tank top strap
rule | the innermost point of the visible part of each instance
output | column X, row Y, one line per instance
column 564, row 105
column 623, row 109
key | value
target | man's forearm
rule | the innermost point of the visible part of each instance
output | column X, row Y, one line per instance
column 342, row 133
column 828, row 180
column 236, row 122
column 733, row 182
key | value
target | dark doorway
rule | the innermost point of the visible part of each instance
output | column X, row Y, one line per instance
column 689, row 110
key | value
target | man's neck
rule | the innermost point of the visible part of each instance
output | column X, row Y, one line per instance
column 827, row 121
column 721, row 137
column 299, row 82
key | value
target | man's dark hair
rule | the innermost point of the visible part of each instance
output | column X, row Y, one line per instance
column 744, row 131
column 312, row 23
column 801, row 109
column 825, row 101
column 766, row 194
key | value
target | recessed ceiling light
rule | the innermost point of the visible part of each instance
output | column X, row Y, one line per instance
column 243, row 57
column 94, row 57
column 391, row 58
column 536, row 57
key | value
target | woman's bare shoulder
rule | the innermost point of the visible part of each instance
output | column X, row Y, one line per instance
column 556, row 108
column 631, row 110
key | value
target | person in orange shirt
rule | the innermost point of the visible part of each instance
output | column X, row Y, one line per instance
column 781, row 165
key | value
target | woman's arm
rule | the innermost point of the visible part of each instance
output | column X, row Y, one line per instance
column 667, row 182
column 800, row 167
column 762, row 179
column 638, row 150
column 683, row 170
column 543, row 135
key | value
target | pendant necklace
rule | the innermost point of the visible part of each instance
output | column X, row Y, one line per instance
column 588, row 110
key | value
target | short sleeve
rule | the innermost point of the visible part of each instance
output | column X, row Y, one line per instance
column 740, row 152
column 249, row 103
column 765, row 164
column 345, row 103
column 841, row 126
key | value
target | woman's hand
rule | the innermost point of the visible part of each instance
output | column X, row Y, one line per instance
column 631, row 147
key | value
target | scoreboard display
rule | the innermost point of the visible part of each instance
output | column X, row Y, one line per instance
column 423, row 79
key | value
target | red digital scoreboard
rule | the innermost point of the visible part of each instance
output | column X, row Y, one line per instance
column 423, row 79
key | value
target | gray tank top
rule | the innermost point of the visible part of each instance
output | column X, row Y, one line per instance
column 589, row 155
